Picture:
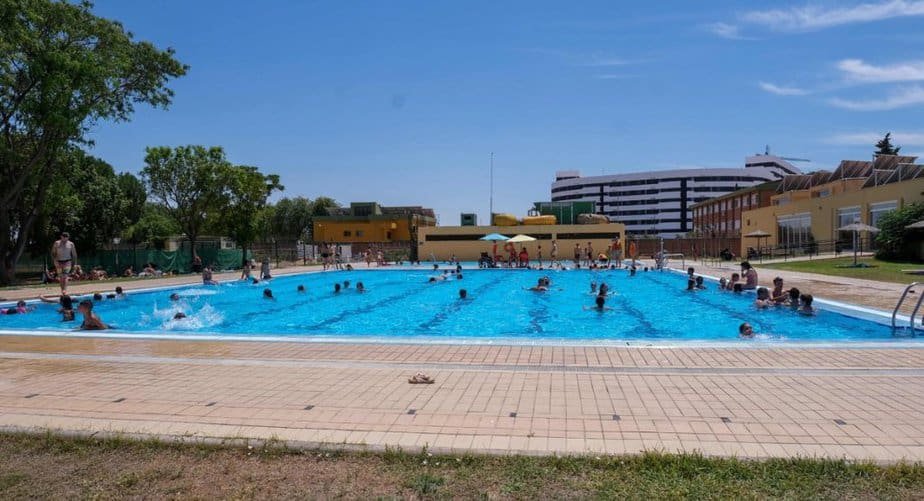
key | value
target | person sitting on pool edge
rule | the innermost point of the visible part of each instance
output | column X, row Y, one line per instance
column 806, row 308
column 207, row 276
column 749, row 274
column 91, row 322
column 745, row 331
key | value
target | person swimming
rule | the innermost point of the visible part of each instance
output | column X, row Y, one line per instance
column 268, row 294
column 599, row 305
column 67, row 308
column 691, row 284
column 463, row 294
column 806, row 308
column 360, row 288
column 723, row 284
column 91, row 322
column 699, row 282
column 541, row 286
column 735, row 277
column 97, row 296
column 794, row 298
column 604, row 289
column 763, row 298
column 738, row 288
column 459, row 276
column 745, row 331
column 337, row 288
column 300, row 289
column 174, row 297
column 593, row 287
column 18, row 309
column 346, row 284
column 179, row 315
column 632, row 271
column 778, row 295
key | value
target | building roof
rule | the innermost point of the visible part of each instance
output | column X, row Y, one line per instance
column 768, row 186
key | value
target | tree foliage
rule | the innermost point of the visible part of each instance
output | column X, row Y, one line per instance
column 154, row 226
column 894, row 240
column 245, row 191
column 188, row 181
column 885, row 147
column 63, row 69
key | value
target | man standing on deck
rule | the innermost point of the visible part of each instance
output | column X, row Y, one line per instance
column 64, row 255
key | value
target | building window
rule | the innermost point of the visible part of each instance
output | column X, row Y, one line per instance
column 753, row 198
column 347, row 233
column 359, row 233
column 845, row 216
column 794, row 231
column 877, row 210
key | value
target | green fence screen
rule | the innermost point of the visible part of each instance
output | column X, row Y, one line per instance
column 115, row 261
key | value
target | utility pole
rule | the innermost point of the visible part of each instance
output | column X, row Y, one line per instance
column 491, row 209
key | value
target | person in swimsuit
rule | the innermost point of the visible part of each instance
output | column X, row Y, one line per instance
column 91, row 322
column 749, row 274
column 64, row 255
column 207, row 276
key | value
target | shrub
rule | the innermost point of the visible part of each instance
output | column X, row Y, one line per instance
column 894, row 240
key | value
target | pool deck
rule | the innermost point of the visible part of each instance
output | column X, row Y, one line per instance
column 748, row 402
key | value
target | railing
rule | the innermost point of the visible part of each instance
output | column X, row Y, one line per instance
column 899, row 304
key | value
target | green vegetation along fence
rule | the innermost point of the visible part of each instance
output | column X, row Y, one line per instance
column 115, row 261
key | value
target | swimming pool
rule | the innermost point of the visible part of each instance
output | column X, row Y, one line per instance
column 651, row 307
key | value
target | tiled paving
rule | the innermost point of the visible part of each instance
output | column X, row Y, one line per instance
column 855, row 403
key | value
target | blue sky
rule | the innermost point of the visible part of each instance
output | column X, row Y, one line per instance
column 403, row 102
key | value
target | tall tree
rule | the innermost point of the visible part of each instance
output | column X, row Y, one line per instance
column 62, row 69
column 134, row 196
column 189, row 182
column 292, row 218
column 321, row 207
column 153, row 226
column 245, row 192
column 884, row 146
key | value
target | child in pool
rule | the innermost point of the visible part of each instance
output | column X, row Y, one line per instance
column 91, row 322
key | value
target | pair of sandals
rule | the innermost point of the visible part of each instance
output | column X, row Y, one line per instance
column 421, row 378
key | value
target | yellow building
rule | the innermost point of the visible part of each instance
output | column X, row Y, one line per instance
column 442, row 242
column 370, row 223
column 808, row 209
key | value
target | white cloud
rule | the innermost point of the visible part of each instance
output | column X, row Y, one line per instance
column 868, row 138
column 780, row 90
column 726, row 30
column 813, row 17
column 858, row 70
column 908, row 96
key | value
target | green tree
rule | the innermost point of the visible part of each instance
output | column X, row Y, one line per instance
column 292, row 218
column 321, row 207
column 154, row 226
column 134, row 195
column 884, row 146
column 189, row 182
column 245, row 192
column 894, row 240
column 63, row 69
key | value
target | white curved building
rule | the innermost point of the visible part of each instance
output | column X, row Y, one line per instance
column 657, row 203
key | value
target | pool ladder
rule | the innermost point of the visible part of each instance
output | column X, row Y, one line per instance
column 914, row 312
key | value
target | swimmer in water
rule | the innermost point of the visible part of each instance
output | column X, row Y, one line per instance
column 337, row 288
column 346, row 284
column 91, row 322
column 745, row 331
column 20, row 308
column 360, row 288
column 300, row 289
column 763, row 298
column 67, row 308
column 268, row 294
column 593, row 287
column 174, row 297
column 691, row 285
column 179, row 315
column 541, row 286
column 699, row 282
column 463, row 294
column 806, row 308
column 599, row 305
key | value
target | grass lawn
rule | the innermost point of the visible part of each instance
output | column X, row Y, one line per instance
column 52, row 467
column 880, row 270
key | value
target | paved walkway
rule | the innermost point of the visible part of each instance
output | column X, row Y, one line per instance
column 860, row 404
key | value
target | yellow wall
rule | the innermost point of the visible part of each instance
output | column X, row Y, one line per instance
column 824, row 211
column 373, row 231
column 470, row 250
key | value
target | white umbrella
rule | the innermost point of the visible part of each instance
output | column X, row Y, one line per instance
column 521, row 238
column 856, row 228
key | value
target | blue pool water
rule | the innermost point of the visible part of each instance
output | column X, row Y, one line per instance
column 649, row 307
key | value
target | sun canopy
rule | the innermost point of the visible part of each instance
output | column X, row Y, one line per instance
column 758, row 234
column 494, row 237
column 858, row 227
column 522, row 238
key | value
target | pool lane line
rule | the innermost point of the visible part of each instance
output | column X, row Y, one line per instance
column 457, row 305
column 911, row 372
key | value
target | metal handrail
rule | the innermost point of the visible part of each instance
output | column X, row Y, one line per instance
column 914, row 313
column 902, row 300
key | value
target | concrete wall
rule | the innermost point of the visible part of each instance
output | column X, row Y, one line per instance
column 378, row 229
column 462, row 241
column 824, row 211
